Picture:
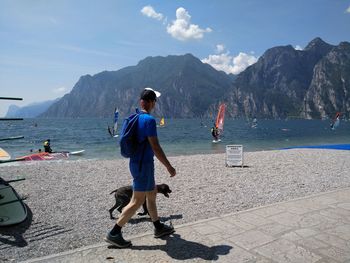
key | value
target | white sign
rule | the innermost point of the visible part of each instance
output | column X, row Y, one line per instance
column 234, row 155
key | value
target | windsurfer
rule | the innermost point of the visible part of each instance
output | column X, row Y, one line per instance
column 110, row 131
column 336, row 121
column 215, row 132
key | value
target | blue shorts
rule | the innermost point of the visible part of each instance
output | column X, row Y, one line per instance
column 143, row 181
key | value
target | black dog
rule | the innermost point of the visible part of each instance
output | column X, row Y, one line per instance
column 123, row 195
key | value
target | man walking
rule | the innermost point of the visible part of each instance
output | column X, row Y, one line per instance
column 142, row 170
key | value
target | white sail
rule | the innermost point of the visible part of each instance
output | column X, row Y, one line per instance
column 116, row 116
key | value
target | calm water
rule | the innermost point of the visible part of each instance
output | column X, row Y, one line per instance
column 179, row 137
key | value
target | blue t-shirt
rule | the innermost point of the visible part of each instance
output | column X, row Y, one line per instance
column 146, row 128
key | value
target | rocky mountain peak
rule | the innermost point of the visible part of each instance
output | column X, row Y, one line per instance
column 319, row 46
column 344, row 45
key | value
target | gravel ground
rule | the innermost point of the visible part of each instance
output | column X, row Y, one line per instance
column 69, row 200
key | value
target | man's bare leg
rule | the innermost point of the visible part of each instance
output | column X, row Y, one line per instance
column 137, row 199
column 152, row 204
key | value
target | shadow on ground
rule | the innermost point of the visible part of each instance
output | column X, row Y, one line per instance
column 28, row 231
column 181, row 249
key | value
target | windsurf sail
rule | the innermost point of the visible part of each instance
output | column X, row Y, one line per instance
column 4, row 156
column 254, row 123
column 116, row 116
column 221, row 118
column 44, row 156
column 336, row 121
column 162, row 122
column 113, row 130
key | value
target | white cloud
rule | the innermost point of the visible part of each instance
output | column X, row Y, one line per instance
column 297, row 47
column 230, row 64
column 242, row 61
column 60, row 90
column 182, row 29
column 150, row 12
column 348, row 10
column 220, row 48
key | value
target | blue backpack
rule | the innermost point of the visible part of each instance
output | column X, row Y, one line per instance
column 128, row 137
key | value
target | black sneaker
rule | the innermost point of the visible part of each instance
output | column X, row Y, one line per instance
column 117, row 240
column 165, row 230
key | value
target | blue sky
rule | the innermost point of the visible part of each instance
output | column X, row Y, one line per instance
column 46, row 45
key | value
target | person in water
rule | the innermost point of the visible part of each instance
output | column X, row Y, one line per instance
column 142, row 171
column 215, row 132
column 47, row 146
column 109, row 128
column 336, row 119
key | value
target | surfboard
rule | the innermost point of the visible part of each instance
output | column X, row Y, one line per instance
column 12, row 209
column 216, row 141
column 4, row 156
column 77, row 152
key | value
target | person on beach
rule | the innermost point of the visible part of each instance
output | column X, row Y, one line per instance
column 142, row 170
column 215, row 132
column 47, row 146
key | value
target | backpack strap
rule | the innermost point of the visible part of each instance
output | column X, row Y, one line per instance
column 144, row 142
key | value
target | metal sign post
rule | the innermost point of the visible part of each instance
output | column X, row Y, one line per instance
column 234, row 155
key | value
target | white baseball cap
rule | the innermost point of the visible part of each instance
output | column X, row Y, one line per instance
column 156, row 92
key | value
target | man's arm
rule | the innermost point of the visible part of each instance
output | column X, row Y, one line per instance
column 159, row 153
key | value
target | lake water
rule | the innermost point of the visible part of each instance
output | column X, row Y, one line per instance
column 179, row 137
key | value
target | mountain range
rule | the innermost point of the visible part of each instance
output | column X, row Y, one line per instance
column 32, row 110
column 284, row 82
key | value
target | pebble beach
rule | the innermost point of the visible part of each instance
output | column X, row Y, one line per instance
column 68, row 201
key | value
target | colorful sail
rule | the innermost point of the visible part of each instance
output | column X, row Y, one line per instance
column 4, row 156
column 162, row 122
column 220, row 118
